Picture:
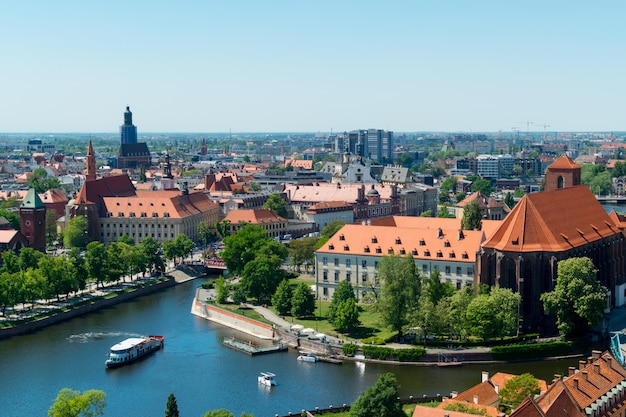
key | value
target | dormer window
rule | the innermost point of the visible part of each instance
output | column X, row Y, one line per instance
column 446, row 244
column 379, row 250
column 422, row 242
column 464, row 255
column 143, row 214
column 331, row 247
column 452, row 255
column 366, row 249
column 346, row 248
column 390, row 251
column 402, row 251
column 426, row 252
column 439, row 254
column 131, row 214
column 374, row 240
column 166, row 214
column 414, row 252
column 398, row 241
column 155, row 214
column 120, row 214
column 342, row 237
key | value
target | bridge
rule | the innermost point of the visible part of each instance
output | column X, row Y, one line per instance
column 215, row 264
column 617, row 200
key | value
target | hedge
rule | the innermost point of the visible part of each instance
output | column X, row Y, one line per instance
column 531, row 350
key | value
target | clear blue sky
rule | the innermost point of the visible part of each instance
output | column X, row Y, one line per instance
column 276, row 66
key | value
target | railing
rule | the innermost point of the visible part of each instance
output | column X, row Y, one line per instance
column 616, row 348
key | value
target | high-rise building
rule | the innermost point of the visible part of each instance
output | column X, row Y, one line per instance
column 379, row 145
column 128, row 130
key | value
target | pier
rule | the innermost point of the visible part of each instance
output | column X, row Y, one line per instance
column 250, row 348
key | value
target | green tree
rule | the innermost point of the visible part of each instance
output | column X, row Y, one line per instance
column 519, row 193
column 262, row 275
column 29, row 258
column 222, row 228
column 578, row 299
column 381, row 400
column 96, row 257
column 242, row 247
column 41, row 182
column 12, row 218
column 126, row 239
column 427, row 213
column 152, row 249
column 281, row 300
column 302, row 251
column 509, row 200
column 331, row 228
column 459, row 196
column 346, row 316
column 483, row 185
column 444, row 213
column 51, row 226
column 472, row 218
column 601, row 184
column 221, row 290
column 448, row 185
column 479, row 317
column 117, row 264
column 239, row 295
column 495, row 314
column 171, row 409
column 436, row 290
column 516, row 390
column 205, row 233
column 405, row 160
column 277, row 204
column 69, row 403
column 222, row 412
column 75, row 235
column 400, row 292
column 343, row 292
column 302, row 301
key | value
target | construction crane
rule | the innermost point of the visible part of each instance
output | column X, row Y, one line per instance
column 545, row 126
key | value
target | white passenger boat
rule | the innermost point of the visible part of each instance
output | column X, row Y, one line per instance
column 267, row 379
column 133, row 348
column 307, row 356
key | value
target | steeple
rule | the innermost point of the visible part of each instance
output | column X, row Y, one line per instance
column 128, row 116
column 90, row 173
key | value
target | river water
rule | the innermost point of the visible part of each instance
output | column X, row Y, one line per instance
column 202, row 374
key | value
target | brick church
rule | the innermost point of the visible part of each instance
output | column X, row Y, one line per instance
column 563, row 221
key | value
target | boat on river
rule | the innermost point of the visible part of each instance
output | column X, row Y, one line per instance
column 267, row 379
column 307, row 356
column 132, row 349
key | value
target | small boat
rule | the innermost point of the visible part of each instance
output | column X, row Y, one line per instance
column 267, row 379
column 307, row 356
column 133, row 348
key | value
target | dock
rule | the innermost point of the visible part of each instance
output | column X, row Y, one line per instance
column 250, row 348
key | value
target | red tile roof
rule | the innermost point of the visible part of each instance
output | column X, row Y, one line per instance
column 160, row 202
column 564, row 162
column 253, row 216
column 553, row 221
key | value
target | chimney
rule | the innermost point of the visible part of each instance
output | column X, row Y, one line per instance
column 475, row 399
column 596, row 368
column 585, row 375
column 496, row 388
column 556, row 378
column 485, row 376
column 581, row 364
column 439, row 233
column 461, row 235
column 453, row 394
column 576, row 383
column 571, row 371
column 595, row 354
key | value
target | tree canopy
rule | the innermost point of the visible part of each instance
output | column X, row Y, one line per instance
column 483, row 185
column 276, row 203
column 69, row 403
column 400, row 292
column 472, row 217
column 381, row 400
column 331, row 228
column 41, row 182
column 516, row 390
column 578, row 300
column 171, row 409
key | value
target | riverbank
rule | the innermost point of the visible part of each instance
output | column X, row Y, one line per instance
column 33, row 317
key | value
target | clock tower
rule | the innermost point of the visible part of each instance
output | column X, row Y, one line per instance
column 33, row 220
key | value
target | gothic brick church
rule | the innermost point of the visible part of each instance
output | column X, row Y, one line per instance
column 563, row 221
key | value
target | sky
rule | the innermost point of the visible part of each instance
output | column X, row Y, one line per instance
column 313, row 66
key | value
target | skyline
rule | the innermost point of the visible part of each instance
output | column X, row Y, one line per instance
column 312, row 67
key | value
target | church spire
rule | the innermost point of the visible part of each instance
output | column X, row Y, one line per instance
column 91, row 164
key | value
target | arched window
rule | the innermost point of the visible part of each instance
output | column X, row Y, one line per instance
column 559, row 182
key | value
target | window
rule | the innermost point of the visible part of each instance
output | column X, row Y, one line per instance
column 446, row 243
column 447, row 269
column 398, row 241
column 342, row 237
column 325, row 291
column 336, row 261
column 325, row 276
column 325, row 261
column 402, row 251
column 439, row 254
column 425, row 268
column 470, row 270
column 458, row 270
column 366, row 249
column 390, row 251
column 336, row 276
column 426, row 252
column 346, row 248
column 364, row 264
column 458, row 285
column 348, row 276
column 414, row 252
column 374, row 240
column 348, row 263
column 422, row 242
column 364, row 277
column 379, row 250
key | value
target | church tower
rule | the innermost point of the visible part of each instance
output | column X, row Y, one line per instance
column 563, row 173
column 33, row 220
column 90, row 172
column 128, row 131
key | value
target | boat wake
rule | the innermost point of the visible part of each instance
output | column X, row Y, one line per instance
column 86, row 337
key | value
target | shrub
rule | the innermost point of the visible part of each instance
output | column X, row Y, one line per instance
column 531, row 350
column 373, row 340
column 349, row 349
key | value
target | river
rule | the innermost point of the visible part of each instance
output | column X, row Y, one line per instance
column 202, row 374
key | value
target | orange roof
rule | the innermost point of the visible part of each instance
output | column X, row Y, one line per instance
column 160, row 202
column 7, row 235
column 564, row 162
column 553, row 221
column 484, row 392
column 423, row 411
column 300, row 163
column 432, row 243
column 595, row 380
column 254, row 216
column 299, row 193
column 418, row 222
